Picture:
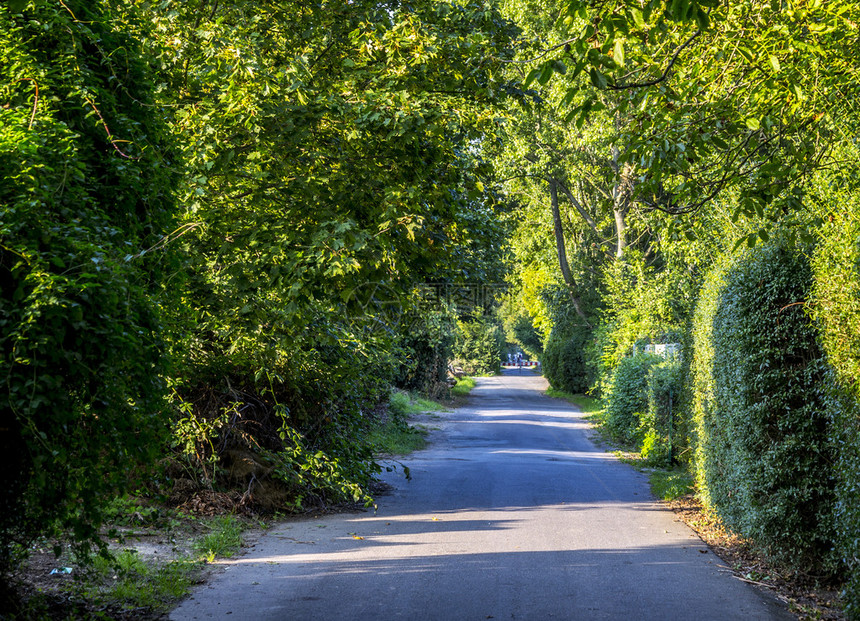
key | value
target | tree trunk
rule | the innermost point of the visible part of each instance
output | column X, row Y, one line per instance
column 621, row 195
column 562, row 252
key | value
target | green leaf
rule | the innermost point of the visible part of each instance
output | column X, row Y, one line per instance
column 679, row 10
column 798, row 92
column 774, row 63
column 597, row 78
column 638, row 19
column 752, row 123
column 533, row 74
column 559, row 67
column 619, row 52
column 546, row 74
column 17, row 6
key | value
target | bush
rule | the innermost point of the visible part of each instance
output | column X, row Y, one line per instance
column 564, row 360
column 659, row 424
column 836, row 309
column 479, row 347
column 427, row 347
column 763, row 456
column 627, row 397
column 80, row 334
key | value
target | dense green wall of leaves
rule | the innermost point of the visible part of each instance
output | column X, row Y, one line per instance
column 86, row 188
column 764, row 450
column 836, row 309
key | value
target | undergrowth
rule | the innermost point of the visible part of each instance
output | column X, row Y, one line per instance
column 393, row 435
column 588, row 405
column 463, row 386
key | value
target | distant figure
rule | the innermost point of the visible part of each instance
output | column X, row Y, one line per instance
column 520, row 359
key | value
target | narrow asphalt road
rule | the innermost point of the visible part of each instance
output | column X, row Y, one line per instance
column 512, row 513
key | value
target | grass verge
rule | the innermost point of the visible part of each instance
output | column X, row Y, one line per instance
column 394, row 435
column 151, row 567
column 393, row 438
column 588, row 405
column 671, row 484
column 223, row 540
column 463, row 387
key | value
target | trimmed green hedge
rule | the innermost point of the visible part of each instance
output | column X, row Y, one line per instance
column 763, row 455
column 836, row 309
column 564, row 360
column 627, row 397
column 660, row 422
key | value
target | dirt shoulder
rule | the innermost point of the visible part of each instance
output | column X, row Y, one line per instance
column 804, row 596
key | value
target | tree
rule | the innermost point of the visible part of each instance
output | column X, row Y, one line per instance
column 86, row 193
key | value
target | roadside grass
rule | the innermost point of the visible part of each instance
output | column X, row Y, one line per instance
column 130, row 582
column 671, row 484
column 223, row 540
column 394, row 438
column 463, row 387
column 156, row 555
column 404, row 403
column 589, row 405
column 393, row 435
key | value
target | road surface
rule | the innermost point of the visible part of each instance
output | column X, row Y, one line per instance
column 512, row 513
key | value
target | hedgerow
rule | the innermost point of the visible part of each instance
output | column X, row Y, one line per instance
column 763, row 455
column 660, row 423
column 836, row 309
column 564, row 359
column 626, row 398
column 85, row 191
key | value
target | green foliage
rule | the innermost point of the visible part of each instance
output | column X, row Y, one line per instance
column 764, row 456
column 86, row 190
column 659, row 425
column 223, row 540
column 519, row 327
column 331, row 164
column 671, row 484
column 644, row 304
column 132, row 582
column 835, row 308
column 564, row 360
column 668, row 73
column 427, row 346
column 626, row 398
column 479, row 346
column 399, row 403
column 463, row 386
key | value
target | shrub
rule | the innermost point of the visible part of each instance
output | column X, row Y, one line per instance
column 479, row 347
column 427, row 347
column 763, row 454
column 836, row 309
column 80, row 335
column 627, row 397
column 659, row 423
column 564, row 360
